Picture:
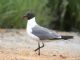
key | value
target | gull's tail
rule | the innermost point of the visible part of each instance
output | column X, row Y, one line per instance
column 66, row 37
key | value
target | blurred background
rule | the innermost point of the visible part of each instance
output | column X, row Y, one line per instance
column 63, row 15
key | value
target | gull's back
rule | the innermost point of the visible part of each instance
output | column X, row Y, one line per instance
column 44, row 33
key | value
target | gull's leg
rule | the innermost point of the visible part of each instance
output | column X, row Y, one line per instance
column 39, row 47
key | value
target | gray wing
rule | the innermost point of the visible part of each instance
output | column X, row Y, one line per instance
column 44, row 33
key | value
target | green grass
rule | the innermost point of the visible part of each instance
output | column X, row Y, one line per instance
column 11, row 12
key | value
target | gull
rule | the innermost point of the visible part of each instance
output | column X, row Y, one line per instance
column 40, row 33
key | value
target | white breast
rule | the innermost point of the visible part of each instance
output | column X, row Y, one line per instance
column 30, row 24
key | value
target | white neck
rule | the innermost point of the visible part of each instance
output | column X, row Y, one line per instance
column 30, row 24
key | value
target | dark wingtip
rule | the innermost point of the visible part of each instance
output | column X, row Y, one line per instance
column 67, row 37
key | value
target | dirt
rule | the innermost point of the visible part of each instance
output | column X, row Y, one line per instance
column 16, row 45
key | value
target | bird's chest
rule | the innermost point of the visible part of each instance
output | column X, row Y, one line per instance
column 29, row 32
column 30, row 25
column 29, row 28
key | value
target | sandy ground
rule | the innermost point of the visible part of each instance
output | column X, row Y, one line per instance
column 16, row 45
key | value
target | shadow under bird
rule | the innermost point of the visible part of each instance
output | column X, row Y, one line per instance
column 40, row 33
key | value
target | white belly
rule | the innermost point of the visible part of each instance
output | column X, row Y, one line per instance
column 31, row 35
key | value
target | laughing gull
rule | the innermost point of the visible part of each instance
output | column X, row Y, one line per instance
column 38, row 32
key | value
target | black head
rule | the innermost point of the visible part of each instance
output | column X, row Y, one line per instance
column 29, row 16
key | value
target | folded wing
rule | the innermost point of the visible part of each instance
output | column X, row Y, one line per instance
column 44, row 33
